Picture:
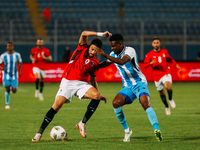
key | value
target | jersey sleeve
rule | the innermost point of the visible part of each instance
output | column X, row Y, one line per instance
column 130, row 52
column 1, row 59
column 147, row 61
column 169, row 58
column 20, row 58
column 47, row 52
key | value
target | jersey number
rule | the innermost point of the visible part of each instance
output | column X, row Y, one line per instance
column 159, row 59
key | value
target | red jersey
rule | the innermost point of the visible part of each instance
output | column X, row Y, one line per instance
column 37, row 55
column 81, row 65
column 160, row 68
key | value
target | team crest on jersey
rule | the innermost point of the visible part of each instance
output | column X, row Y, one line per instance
column 87, row 61
column 92, row 63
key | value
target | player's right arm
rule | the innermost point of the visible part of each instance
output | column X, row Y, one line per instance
column 85, row 34
column 104, row 64
column 148, row 62
column 32, row 57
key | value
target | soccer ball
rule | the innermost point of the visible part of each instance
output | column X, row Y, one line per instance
column 58, row 133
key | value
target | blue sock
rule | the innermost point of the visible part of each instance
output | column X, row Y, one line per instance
column 152, row 118
column 120, row 116
column 7, row 98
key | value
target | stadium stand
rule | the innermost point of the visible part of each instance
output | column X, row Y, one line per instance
column 162, row 18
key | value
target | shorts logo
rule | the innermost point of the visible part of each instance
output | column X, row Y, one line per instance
column 87, row 61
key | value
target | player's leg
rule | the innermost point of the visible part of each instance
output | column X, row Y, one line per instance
column 37, row 81
column 118, row 102
column 7, row 97
column 58, row 103
column 144, row 98
column 125, row 96
column 168, row 85
column 42, row 76
column 160, row 87
column 93, row 94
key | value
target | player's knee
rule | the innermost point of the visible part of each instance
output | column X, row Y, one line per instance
column 116, row 104
column 14, row 90
column 97, row 96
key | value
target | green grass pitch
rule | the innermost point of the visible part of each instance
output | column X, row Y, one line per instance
column 181, row 130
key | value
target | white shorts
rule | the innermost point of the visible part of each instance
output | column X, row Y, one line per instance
column 69, row 88
column 161, row 82
column 37, row 70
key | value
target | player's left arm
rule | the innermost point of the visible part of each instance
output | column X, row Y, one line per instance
column 85, row 34
column 94, row 82
column 95, row 85
column 173, row 61
column 49, row 58
column 20, row 68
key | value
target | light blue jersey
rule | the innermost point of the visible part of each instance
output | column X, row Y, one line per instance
column 130, row 72
column 134, row 82
column 10, row 74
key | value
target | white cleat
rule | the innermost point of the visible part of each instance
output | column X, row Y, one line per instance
column 41, row 97
column 81, row 127
column 127, row 136
column 167, row 111
column 172, row 103
column 37, row 137
column 7, row 107
column 36, row 93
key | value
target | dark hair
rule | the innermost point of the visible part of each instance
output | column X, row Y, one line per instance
column 155, row 38
column 97, row 42
column 10, row 42
column 116, row 37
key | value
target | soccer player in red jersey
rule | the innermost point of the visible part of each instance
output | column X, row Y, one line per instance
column 157, row 59
column 82, row 64
column 38, row 56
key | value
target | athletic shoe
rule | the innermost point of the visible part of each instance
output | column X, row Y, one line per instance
column 81, row 127
column 127, row 136
column 167, row 111
column 36, row 93
column 172, row 103
column 158, row 135
column 41, row 97
column 37, row 137
column 7, row 107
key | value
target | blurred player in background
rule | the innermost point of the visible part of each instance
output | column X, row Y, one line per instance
column 157, row 59
column 38, row 56
column 10, row 59
column 134, row 83
column 83, row 64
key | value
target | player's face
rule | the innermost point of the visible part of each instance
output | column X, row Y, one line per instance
column 116, row 46
column 156, row 44
column 10, row 48
column 93, row 50
column 39, row 43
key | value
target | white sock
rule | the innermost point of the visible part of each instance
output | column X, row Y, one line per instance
column 127, row 130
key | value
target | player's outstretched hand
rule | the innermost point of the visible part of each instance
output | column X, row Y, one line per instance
column 107, row 34
column 104, row 99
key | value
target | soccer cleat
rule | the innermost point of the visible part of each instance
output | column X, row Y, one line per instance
column 127, row 136
column 7, row 107
column 167, row 111
column 36, row 93
column 158, row 135
column 81, row 127
column 37, row 137
column 172, row 103
column 41, row 97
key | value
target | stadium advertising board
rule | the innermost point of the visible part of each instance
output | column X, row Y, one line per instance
column 190, row 72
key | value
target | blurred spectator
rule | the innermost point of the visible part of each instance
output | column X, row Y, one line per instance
column 198, row 56
column 46, row 14
column 67, row 54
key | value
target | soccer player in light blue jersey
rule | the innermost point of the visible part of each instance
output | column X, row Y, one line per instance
column 10, row 59
column 134, row 83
